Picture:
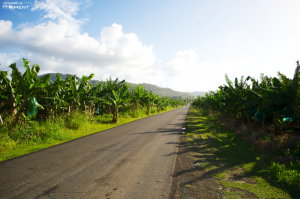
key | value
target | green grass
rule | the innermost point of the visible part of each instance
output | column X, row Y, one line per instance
column 33, row 136
column 236, row 163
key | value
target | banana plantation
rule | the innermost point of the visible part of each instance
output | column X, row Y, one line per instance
column 270, row 101
column 25, row 97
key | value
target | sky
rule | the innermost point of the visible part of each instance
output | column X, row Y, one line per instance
column 185, row 45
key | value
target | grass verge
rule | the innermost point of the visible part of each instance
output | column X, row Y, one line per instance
column 34, row 136
column 241, row 170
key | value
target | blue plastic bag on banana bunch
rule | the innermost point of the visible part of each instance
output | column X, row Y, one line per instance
column 288, row 114
column 32, row 108
column 97, row 108
column 260, row 116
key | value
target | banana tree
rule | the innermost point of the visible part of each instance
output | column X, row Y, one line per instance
column 23, row 87
column 86, row 92
column 165, row 103
column 119, row 98
column 158, row 103
column 136, row 97
column 99, row 94
column 76, row 95
column 148, row 100
column 7, row 92
column 72, row 94
column 109, row 86
column 293, row 91
column 56, row 94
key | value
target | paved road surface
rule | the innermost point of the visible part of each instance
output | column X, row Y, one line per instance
column 135, row 160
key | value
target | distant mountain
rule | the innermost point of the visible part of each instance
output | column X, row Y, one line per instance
column 53, row 76
column 149, row 87
column 162, row 91
column 64, row 76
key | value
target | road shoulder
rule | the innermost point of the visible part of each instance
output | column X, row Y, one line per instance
column 189, row 182
column 213, row 163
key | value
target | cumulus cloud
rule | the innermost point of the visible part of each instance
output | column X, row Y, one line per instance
column 6, row 59
column 184, row 73
column 57, row 9
column 183, row 62
column 58, row 46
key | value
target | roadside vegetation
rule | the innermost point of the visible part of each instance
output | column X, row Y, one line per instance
column 254, row 129
column 36, row 113
column 241, row 169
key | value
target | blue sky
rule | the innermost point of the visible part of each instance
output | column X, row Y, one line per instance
column 184, row 45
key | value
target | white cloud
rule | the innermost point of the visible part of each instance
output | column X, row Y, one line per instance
column 6, row 59
column 184, row 62
column 58, row 46
column 57, row 9
column 182, row 73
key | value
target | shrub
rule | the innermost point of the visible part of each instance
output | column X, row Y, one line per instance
column 289, row 174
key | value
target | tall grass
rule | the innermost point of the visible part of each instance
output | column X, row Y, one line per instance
column 41, row 132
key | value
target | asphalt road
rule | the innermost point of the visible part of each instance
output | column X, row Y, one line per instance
column 135, row 160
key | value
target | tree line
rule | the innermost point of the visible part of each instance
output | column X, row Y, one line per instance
column 272, row 100
column 25, row 95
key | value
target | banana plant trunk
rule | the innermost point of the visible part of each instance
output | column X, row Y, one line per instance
column 134, row 107
column 13, row 106
column 245, row 115
column 91, row 112
column 158, row 110
column 296, row 110
column 148, row 110
column 19, row 113
column 84, row 108
column 69, row 110
column 102, row 109
column 234, row 113
column 52, row 113
column 248, row 117
column 115, row 115
column 55, row 113
column 108, row 109
column 228, row 114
